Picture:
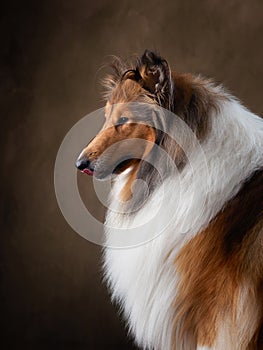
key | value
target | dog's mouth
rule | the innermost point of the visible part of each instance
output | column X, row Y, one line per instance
column 88, row 171
column 100, row 171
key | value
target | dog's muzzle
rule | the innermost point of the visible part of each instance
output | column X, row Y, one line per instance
column 83, row 164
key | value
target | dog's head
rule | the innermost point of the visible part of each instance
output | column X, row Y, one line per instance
column 133, row 121
column 130, row 131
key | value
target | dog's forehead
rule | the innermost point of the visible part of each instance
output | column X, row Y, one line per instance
column 126, row 91
column 125, row 98
column 113, row 111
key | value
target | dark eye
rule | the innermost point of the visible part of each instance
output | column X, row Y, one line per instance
column 122, row 120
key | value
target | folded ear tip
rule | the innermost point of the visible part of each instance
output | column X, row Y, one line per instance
column 150, row 56
column 148, row 52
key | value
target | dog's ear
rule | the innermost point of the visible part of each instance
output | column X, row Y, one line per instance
column 156, row 76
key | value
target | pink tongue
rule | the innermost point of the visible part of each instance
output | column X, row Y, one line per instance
column 87, row 171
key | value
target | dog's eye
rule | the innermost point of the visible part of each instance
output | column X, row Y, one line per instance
column 122, row 120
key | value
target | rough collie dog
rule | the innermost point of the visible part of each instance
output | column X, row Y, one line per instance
column 186, row 160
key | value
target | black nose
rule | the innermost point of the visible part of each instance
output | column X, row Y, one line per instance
column 83, row 163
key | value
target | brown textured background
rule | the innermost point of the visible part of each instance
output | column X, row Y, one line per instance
column 51, row 293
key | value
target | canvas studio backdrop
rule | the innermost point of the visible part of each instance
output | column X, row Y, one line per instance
column 52, row 58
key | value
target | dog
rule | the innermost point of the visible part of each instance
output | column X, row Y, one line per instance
column 185, row 263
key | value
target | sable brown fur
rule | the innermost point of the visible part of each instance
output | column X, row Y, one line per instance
column 217, row 262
